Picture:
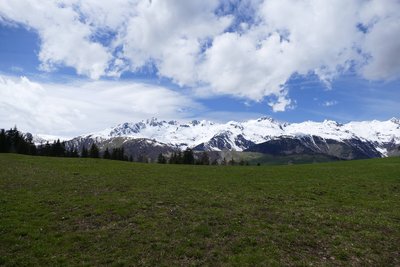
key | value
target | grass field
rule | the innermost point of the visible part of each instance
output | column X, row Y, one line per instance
column 254, row 158
column 87, row 212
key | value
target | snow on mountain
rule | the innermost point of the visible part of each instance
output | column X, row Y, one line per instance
column 237, row 135
column 195, row 132
column 326, row 129
column 376, row 131
column 41, row 139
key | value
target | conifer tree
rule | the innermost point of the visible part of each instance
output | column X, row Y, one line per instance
column 179, row 158
column 4, row 144
column 84, row 152
column 75, row 153
column 46, row 150
column 122, row 154
column 114, row 154
column 94, row 151
column 172, row 159
column 188, row 157
column 118, row 154
column 72, row 153
column 14, row 140
column 106, row 154
column 161, row 159
column 30, row 146
column 57, row 149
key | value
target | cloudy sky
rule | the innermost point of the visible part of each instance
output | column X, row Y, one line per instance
column 74, row 66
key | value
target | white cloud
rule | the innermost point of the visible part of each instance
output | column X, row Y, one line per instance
column 384, row 49
column 76, row 108
column 234, row 65
column 330, row 103
column 281, row 103
column 65, row 39
column 170, row 34
column 208, row 44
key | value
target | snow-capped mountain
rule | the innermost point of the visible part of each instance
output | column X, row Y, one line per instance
column 239, row 136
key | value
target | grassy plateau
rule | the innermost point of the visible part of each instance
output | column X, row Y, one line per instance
column 89, row 212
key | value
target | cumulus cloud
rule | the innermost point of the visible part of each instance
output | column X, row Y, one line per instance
column 74, row 108
column 281, row 103
column 384, row 50
column 65, row 39
column 170, row 34
column 246, row 49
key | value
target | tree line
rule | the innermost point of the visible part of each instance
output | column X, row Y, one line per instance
column 188, row 157
column 13, row 141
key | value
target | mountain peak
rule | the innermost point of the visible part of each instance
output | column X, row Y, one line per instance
column 332, row 123
column 195, row 122
column 266, row 118
column 154, row 122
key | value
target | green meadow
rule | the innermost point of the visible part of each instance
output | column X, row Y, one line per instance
column 93, row 212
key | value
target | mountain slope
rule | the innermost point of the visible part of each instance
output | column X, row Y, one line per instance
column 139, row 149
column 351, row 140
column 313, row 145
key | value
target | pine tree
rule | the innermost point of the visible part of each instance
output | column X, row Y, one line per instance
column 58, row 149
column 188, row 157
column 161, row 159
column 114, row 153
column 106, row 154
column 84, row 152
column 4, row 145
column 122, row 154
column 46, row 150
column 172, row 159
column 118, row 154
column 69, row 153
column 75, row 153
column 179, row 158
column 14, row 140
column 94, row 151
column 30, row 146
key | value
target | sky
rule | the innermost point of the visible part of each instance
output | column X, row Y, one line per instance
column 69, row 67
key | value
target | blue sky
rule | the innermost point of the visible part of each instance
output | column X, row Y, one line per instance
column 77, row 67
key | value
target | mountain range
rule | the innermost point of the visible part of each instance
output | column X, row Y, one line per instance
column 353, row 140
